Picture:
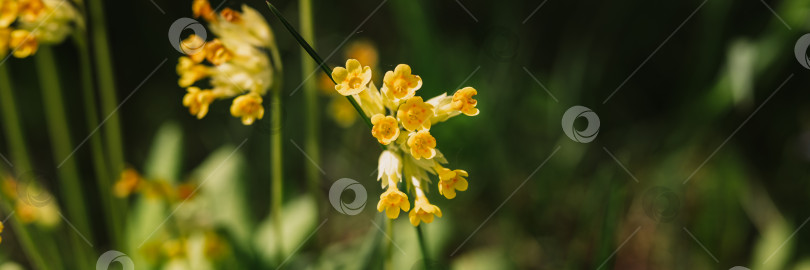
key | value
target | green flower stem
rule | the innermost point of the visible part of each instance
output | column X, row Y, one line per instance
column 277, row 165
column 422, row 246
column 106, row 83
column 60, row 141
column 113, row 207
column 310, row 101
column 389, row 248
column 21, row 164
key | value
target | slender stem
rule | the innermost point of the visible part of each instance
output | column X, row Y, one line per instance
column 21, row 164
column 113, row 207
column 277, row 166
column 311, row 107
column 389, row 249
column 423, row 247
column 57, row 123
column 106, row 82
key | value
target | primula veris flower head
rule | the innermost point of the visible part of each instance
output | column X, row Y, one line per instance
column 423, row 211
column 8, row 12
column 198, row 100
column 464, row 102
column 400, row 83
column 450, row 181
column 415, row 114
column 422, row 145
column 386, row 128
column 23, row 43
column 216, row 53
column 248, row 107
column 393, row 200
column 352, row 79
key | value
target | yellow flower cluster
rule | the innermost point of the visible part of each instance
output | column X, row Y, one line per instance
column 238, row 65
column 401, row 122
column 35, row 205
column 24, row 24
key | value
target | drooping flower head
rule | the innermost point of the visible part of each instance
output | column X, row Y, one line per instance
column 386, row 128
column 393, row 200
column 238, row 65
column 450, row 181
column 415, row 114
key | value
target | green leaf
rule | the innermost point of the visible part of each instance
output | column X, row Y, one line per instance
column 299, row 219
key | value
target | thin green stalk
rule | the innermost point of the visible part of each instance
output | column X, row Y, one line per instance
column 104, row 180
column 423, row 247
column 21, row 163
column 389, row 248
column 310, row 101
column 277, row 165
column 56, row 120
column 105, row 77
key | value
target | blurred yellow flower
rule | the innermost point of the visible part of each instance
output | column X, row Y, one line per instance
column 8, row 12
column 231, row 15
column 194, row 47
column 31, row 10
column 23, row 43
column 423, row 211
column 198, row 100
column 190, row 72
column 415, row 114
column 248, row 107
column 201, row 8
column 5, row 36
column 400, row 83
column 352, row 79
column 386, row 128
column 450, row 181
column 342, row 111
column 1, row 231
column 364, row 51
column 422, row 145
column 391, row 201
column 464, row 102
column 127, row 184
column 216, row 53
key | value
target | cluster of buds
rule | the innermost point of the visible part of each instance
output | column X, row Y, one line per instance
column 401, row 122
column 24, row 24
column 237, row 63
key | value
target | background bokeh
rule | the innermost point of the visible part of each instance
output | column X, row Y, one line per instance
column 703, row 92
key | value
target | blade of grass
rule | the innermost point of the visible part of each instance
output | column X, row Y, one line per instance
column 311, row 140
column 57, row 122
column 301, row 41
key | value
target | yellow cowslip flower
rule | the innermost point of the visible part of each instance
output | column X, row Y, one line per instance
column 422, row 145
column 23, row 43
column 203, row 8
column 127, row 183
column 464, row 102
column 174, row 248
column 393, row 200
column 423, row 211
column 352, row 79
column 8, row 12
column 31, row 10
column 249, row 107
column 400, row 83
column 190, row 72
column 198, row 100
column 450, row 181
column 386, row 128
column 216, row 53
column 415, row 114
column 194, row 47
column 389, row 168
